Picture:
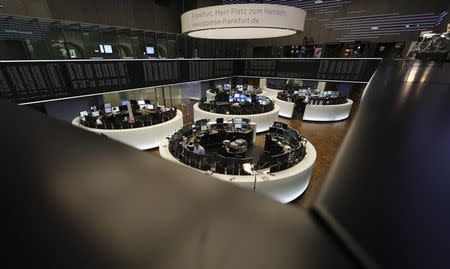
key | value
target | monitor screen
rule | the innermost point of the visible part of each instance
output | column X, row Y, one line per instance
column 296, row 92
column 231, row 99
column 107, row 105
column 226, row 86
column 237, row 95
column 102, row 49
column 108, row 48
column 108, row 110
column 238, row 125
column 248, row 99
column 124, row 102
column 239, row 87
column 249, row 87
column 83, row 113
column 150, row 50
column 115, row 109
column 242, row 100
column 150, row 106
column 204, row 128
column 238, row 120
column 141, row 102
column 95, row 114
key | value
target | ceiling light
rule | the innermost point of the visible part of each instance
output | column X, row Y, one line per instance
column 243, row 21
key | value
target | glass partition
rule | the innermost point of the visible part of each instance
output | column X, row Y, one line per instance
column 150, row 45
column 54, row 38
column 138, row 42
column 11, row 45
column 74, row 40
column 31, row 34
column 161, row 41
column 171, row 46
column 110, row 45
column 92, row 39
column 125, row 46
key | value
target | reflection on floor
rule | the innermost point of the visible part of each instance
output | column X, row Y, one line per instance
column 326, row 138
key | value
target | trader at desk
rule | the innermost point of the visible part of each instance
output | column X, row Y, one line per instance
column 198, row 149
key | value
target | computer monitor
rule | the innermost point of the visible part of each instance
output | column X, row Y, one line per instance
column 242, row 99
column 107, row 105
column 204, row 128
column 226, row 86
column 237, row 95
column 150, row 106
column 141, row 102
column 280, row 125
column 93, row 108
column 95, row 114
column 238, row 120
column 124, row 102
column 83, row 113
column 296, row 92
column 239, row 87
column 219, row 120
column 238, row 125
column 150, row 50
column 115, row 109
column 231, row 99
column 108, row 110
column 249, row 87
column 108, row 48
column 248, row 99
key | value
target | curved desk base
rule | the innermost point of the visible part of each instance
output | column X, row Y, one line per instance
column 327, row 112
column 283, row 186
column 141, row 138
column 263, row 121
column 286, row 108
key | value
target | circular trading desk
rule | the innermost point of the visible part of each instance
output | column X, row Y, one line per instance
column 210, row 96
column 143, row 137
column 263, row 120
column 327, row 112
column 283, row 186
column 286, row 108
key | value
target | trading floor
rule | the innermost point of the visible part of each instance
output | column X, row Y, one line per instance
column 326, row 138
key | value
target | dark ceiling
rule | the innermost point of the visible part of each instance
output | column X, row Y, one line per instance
column 350, row 20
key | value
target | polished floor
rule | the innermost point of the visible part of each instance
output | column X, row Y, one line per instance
column 326, row 138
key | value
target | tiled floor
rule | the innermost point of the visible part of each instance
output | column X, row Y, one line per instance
column 326, row 138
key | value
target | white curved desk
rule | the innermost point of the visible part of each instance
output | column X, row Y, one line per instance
column 327, row 112
column 212, row 96
column 271, row 93
column 286, row 108
column 283, row 186
column 143, row 137
column 263, row 121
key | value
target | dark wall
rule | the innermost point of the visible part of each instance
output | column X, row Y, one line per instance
column 144, row 14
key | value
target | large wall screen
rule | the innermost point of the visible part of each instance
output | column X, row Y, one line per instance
column 39, row 81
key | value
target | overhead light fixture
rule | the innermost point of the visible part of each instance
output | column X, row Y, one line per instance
column 243, row 21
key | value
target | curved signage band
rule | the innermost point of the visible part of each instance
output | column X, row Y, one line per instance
column 243, row 21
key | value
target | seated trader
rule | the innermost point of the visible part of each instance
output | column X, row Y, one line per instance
column 198, row 149
column 144, row 111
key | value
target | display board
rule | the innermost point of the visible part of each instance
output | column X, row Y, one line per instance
column 352, row 69
column 39, row 81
